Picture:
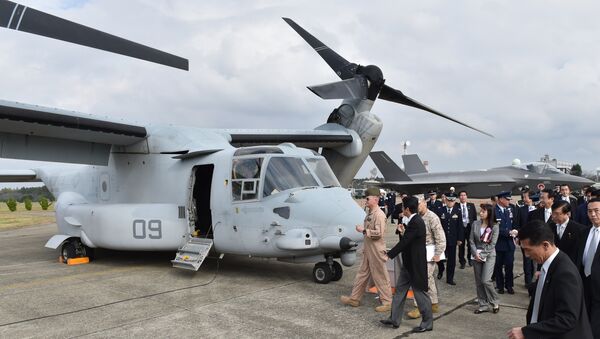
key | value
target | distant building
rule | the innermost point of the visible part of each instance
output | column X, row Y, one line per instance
column 563, row 166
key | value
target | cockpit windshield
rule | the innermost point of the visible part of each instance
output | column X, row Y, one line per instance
column 321, row 168
column 283, row 173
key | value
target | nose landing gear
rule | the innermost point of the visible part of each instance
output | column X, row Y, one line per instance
column 327, row 271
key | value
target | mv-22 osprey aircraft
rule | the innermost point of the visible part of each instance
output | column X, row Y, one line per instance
column 263, row 193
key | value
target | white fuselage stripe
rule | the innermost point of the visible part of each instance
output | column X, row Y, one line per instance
column 12, row 15
column 21, row 18
column 321, row 48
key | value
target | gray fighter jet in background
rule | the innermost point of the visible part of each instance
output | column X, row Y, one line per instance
column 478, row 183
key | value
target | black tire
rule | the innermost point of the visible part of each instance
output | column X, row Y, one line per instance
column 322, row 273
column 89, row 252
column 338, row 272
column 68, row 251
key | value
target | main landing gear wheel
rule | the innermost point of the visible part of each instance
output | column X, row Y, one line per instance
column 68, row 251
column 322, row 273
column 337, row 271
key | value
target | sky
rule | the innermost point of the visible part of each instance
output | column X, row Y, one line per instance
column 525, row 71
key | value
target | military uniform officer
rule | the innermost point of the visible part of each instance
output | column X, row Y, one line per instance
column 452, row 221
column 505, row 247
column 433, row 204
column 374, row 256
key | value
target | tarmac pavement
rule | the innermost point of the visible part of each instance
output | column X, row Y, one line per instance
column 139, row 294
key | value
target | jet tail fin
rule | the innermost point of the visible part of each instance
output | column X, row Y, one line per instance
column 387, row 167
column 413, row 164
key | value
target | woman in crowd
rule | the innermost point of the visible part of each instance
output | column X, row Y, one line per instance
column 482, row 240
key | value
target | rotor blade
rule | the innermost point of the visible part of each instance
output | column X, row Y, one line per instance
column 353, row 88
column 342, row 67
column 390, row 94
column 25, row 19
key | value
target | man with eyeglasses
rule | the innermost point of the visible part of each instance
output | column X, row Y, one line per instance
column 588, row 261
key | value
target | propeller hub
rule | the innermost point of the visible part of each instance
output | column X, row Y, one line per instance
column 375, row 77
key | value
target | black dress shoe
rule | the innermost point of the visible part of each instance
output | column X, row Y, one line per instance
column 389, row 322
column 510, row 290
column 470, row 262
column 500, row 291
column 451, row 283
column 440, row 275
column 496, row 309
column 420, row 329
column 462, row 266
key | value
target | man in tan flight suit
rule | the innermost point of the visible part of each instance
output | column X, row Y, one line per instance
column 434, row 236
column 374, row 257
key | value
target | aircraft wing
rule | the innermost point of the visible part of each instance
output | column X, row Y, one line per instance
column 39, row 133
column 18, row 176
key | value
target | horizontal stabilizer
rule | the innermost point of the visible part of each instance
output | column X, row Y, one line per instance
column 18, row 176
column 388, row 168
column 413, row 164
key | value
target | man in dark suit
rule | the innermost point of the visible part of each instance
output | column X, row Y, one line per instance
column 588, row 261
column 413, row 272
column 545, row 212
column 582, row 213
column 565, row 195
column 523, row 218
column 557, row 308
column 505, row 248
column 567, row 233
column 469, row 214
column 452, row 222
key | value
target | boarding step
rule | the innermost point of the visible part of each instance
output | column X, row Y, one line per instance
column 191, row 255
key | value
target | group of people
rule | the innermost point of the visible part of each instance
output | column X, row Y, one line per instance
column 560, row 257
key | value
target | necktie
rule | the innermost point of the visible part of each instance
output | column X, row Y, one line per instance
column 591, row 252
column 560, row 231
column 464, row 215
column 538, row 296
column 547, row 213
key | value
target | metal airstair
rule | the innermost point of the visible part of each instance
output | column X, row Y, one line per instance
column 191, row 255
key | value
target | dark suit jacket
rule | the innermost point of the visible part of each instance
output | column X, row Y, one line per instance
column 562, row 312
column 592, row 288
column 452, row 224
column 570, row 239
column 572, row 202
column 538, row 214
column 523, row 216
column 434, row 206
column 581, row 216
column 414, row 256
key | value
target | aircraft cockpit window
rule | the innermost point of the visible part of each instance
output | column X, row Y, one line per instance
column 552, row 170
column 258, row 150
column 245, row 178
column 321, row 168
column 284, row 173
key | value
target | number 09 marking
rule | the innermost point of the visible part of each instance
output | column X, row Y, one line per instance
column 154, row 229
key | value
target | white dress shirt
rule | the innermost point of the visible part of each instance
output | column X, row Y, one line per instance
column 589, row 242
column 560, row 229
column 540, row 286
column 547, row 214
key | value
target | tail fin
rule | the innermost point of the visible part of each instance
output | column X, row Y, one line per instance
column 387, row 167
column 413, row 164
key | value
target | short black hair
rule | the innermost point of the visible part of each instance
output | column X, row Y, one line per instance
column 411, row 203
column 551, row 193
column 564, row 206
column 536, row 231
column 463, row 191
column 594, row 200
column 562, row 185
